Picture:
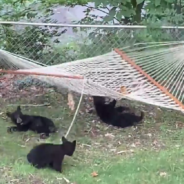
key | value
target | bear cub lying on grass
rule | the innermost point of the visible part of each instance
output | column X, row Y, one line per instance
column 23, row 122
column 115, row 116
column 51, row 155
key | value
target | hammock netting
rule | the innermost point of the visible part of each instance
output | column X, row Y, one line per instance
column 150, row 73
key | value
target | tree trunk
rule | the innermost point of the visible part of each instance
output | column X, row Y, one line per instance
column 138, row 10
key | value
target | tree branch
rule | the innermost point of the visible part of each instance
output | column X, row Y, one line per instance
column 102, row 11
column 138, row 9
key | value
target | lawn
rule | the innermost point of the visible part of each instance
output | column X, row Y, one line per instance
column 149, row 154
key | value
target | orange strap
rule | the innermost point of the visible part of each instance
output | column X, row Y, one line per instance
column 37, row 73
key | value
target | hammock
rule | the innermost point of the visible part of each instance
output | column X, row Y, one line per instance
column 150, row 73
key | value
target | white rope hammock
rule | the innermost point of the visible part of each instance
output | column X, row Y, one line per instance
column 151, row 73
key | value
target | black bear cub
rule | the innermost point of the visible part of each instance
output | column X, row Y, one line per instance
column 115, row 116
column 51, row 155
column 23, row 122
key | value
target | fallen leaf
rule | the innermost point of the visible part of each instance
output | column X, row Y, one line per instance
column 67, row 181
column 126, row 151
column 94, row 174
column 133, row 145
column 90, row 99
column 179, row 125
column 163, row 174
column 137, row 143
column 123, row 90
column 155, row 142
column 71, row 102
column 149, row 134
column 109, row 135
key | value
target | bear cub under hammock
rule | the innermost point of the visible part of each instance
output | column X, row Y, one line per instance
column 23, row 122
column 51, row 155
column 115, row 116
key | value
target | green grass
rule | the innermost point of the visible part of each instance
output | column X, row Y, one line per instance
column 151, row 154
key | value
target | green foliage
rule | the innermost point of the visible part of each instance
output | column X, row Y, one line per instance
column 64, row 2
column 15, row 10
column 30, row 41
column 99, row 41
column 111, row 14
column 61, row 54
column 157, row 13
